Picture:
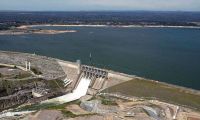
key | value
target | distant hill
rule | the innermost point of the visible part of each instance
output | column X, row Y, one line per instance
column 108, row 18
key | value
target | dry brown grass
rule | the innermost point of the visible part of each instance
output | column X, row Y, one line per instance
column 150, row 90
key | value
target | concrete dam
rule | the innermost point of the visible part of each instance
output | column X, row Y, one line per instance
column 88, row 77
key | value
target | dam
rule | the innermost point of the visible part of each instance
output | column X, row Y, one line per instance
column 49, row 81
column 88, row 77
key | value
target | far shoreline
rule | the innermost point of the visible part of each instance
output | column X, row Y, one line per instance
column 117, row 26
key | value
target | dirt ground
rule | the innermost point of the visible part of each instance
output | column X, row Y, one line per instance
column 75, row 109
column 45, row 115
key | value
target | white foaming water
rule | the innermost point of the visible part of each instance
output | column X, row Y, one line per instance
column 80, row 91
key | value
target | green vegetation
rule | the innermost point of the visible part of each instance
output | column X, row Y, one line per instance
column 50, row 106
column 22, row 75
column 4, row 27
column 16, row 83
column 68, row 114
column 55, row 84
column 152, row 90
column 36, row 71
column 2, row 66
column 9, row 86
column 108, row 102
column 42, row 106
column 19, row 74
column 71, row 115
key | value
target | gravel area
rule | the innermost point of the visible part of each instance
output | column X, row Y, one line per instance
column 49, row 67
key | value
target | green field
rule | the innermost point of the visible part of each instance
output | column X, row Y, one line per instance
column 150, row 90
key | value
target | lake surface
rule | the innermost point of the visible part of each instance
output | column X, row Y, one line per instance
column 170, row 55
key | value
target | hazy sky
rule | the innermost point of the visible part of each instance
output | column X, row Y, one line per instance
column 77, row 5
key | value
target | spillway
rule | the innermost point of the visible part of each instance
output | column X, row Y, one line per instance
column 77, row 93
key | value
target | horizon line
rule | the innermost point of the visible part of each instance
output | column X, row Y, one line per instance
column 98, row 11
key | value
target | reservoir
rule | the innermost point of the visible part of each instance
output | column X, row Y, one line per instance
column 169, row 55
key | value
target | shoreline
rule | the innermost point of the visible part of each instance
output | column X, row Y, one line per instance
column 117, row 26
column 25, row 31
column 30, row 29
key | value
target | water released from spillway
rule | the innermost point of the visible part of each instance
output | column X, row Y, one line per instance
column 77, row 93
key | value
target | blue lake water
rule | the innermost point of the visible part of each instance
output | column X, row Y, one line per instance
column 170, row 55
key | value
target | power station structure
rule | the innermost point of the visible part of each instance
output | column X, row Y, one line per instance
column 96, row 76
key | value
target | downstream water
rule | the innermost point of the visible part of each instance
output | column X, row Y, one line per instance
column 166, row 54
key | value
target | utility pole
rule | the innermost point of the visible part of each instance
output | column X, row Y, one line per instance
column 79, row 66
column 29, row 65
column 90, row 58
column 26, row 63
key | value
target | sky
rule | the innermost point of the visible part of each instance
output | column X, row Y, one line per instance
column 100, row 5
